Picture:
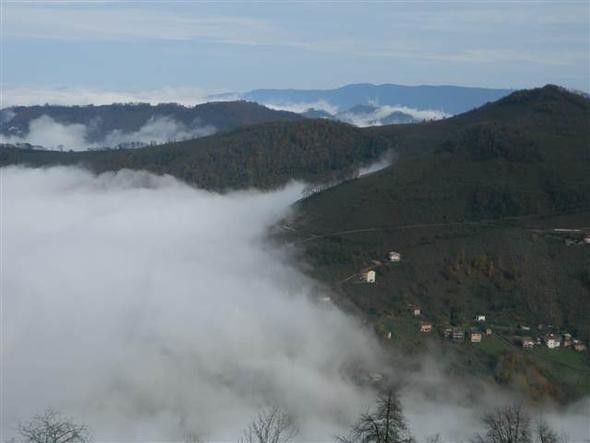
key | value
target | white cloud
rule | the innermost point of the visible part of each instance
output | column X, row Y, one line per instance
column 46, row 132
column 147, row 308
column 94, row 21
column 27, row 96
column 380, row 113
column 300, row 107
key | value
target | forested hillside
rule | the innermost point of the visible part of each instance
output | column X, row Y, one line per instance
column 477, row 207
column 263, row 156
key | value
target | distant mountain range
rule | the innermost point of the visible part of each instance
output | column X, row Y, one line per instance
column 444, row 99
column 137, row 125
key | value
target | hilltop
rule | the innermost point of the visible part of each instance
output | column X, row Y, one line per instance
column 472, row 205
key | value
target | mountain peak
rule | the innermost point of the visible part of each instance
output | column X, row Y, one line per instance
column 549, row 93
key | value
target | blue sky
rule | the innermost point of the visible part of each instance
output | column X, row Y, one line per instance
column 237, row 46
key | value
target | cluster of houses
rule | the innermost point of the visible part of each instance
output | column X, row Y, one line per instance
column 553, row 341
column 459, row 335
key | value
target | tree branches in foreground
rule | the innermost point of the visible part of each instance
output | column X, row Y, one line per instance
column 386, row 424
column 52, row 427
column 512, row 424
column 270, row 426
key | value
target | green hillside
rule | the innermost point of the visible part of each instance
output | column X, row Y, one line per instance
column 263, row 156
column 472, row 205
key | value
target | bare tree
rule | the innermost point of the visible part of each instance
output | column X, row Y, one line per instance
column 270, row 426
column 544, row 433
column 52, row 427
column 509, row 424
column 193, row 437
column 386, row 424
column 436, row 438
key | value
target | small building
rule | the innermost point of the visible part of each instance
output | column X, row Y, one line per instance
column 458, row 335
column 475, row 336
column 567, row 340
column 425, row 327
column 415, row 310
column 586, row 239
column 524, row 327
column 480, row 317
column 553, row 341
column 448, row 332
column 394, row 256
column 369, row 276
column 579, row 345
column 388, row 335
column 488, row 331
column 527, row 343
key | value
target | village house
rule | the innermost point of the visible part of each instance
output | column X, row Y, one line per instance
column 425, row 327
column 369, row 276
column 458, row 335
column 553, row 341
column 488, row 331
column 586, row 239
column 394, row 256
column 567, row 340
column 527, row 343
column 579, row 345
column 480, row 317
column 475, row 337
column 415, row 310
column 448, row 332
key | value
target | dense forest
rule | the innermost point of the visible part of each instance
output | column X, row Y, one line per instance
column 263, row 156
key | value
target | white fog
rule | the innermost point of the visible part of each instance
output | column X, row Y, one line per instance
column 148, row 309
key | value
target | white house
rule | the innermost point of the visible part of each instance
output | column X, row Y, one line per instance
column 480, row 317
column 394, row 256
column 369, row 276
column 553, row 341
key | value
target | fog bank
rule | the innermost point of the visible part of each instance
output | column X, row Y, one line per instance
column 45, row 131
column 149, row 309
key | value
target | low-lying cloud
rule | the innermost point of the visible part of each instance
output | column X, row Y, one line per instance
column 70, row 96
column 374, row 114
column 46, row 132
column 149, row 309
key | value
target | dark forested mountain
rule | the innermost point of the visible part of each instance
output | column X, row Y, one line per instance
column 488, row 210
column 448, row 99
column 100, row 121
column 264, row 156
